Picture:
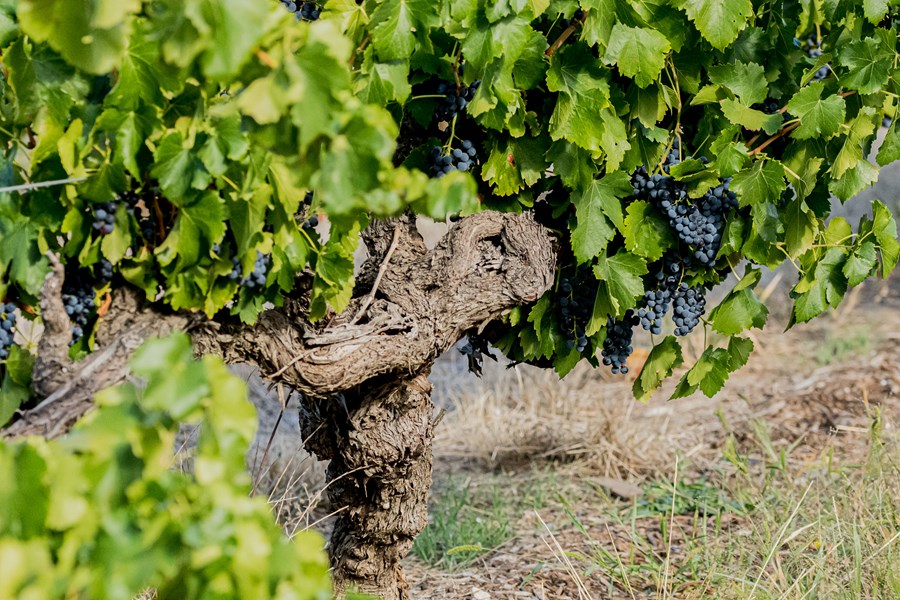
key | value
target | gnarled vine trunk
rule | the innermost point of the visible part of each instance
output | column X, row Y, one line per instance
column 363, row 372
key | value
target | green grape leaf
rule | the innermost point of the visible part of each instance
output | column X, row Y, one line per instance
column 739, row 311
column 860, row 130
column 760, row 183
column 597, row 211
column 860, row 264
column 583, row 91
column 826, row 287
column 885, row 229
column 800, row 227
column 199, row 225
column 875, row 10
column 620, row 285
column 89, row 34
column 394, row 26
column 869, row 65
column 646, row 233
column 21, row 260
column 745, row 80
column 752, row 119
column 854, row 180
column 515, row 165
column 719, row 21
column 714, row 367
column 664, row 358
column 639, row 52
column 819, row 118
column 890, row 147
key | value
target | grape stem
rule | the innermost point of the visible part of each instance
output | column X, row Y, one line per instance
column 565, row 34
column 781, row 133
column 381, row 270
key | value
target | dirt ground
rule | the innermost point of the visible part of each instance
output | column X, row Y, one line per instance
column 807, row 397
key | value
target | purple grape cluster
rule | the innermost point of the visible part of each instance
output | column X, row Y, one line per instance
column 7, row 328
column 617, row 345
column 104, row 272
column 78, row 299
column 698, row 223
column 688, row 306
column 655, row 303
column 104, row 217
column 257, row 277
column 575, row 302
column 454, row 101
column 308, row 11
column 814, row 51
column 461, row 158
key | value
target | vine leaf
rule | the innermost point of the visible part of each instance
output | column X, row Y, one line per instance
column 825, row 287
column 714, row 367
column 620, row 284
column 754, row 120
column 663, row 359
column 583, row 91
column 739, row 311
column 394, row 25
column 746, row 80
column 868, row 62
column 860, row 263
column 719, row 21
column 597, row 211
column 885, row 229
column 819, row 118
column 639, row 52
column 646, row 233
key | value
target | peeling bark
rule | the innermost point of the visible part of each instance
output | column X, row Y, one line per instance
column 363, row 373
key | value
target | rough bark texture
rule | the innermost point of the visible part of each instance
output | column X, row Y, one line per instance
column 363, row 373
column 378, row 440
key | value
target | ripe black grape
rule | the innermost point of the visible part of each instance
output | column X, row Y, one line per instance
column 104, row 271
column 78, row 299
column 461, row 158
column 575, row 303
column 454, row 102
column 814, row 50
column 617, row 345
column 104, row 217
column 308, row 11
column 7, row 328
column 698, row 223
column 687, row 308
column 257, row 277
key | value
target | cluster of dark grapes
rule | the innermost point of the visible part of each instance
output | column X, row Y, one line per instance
column 142, row 214
column 617, row 345
column 575, row 303
column 308, row 11
column 689, row 302
column 461, row 158
column 770, row 106
column 104, row 272
column 689, row 305
column 104, row 217
column 814, row 50
column 313, row 220
column 257, row 277
column 699, row 223
column 454, row 101
column 78, row 299
column 7, row 328
column 656, row 301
